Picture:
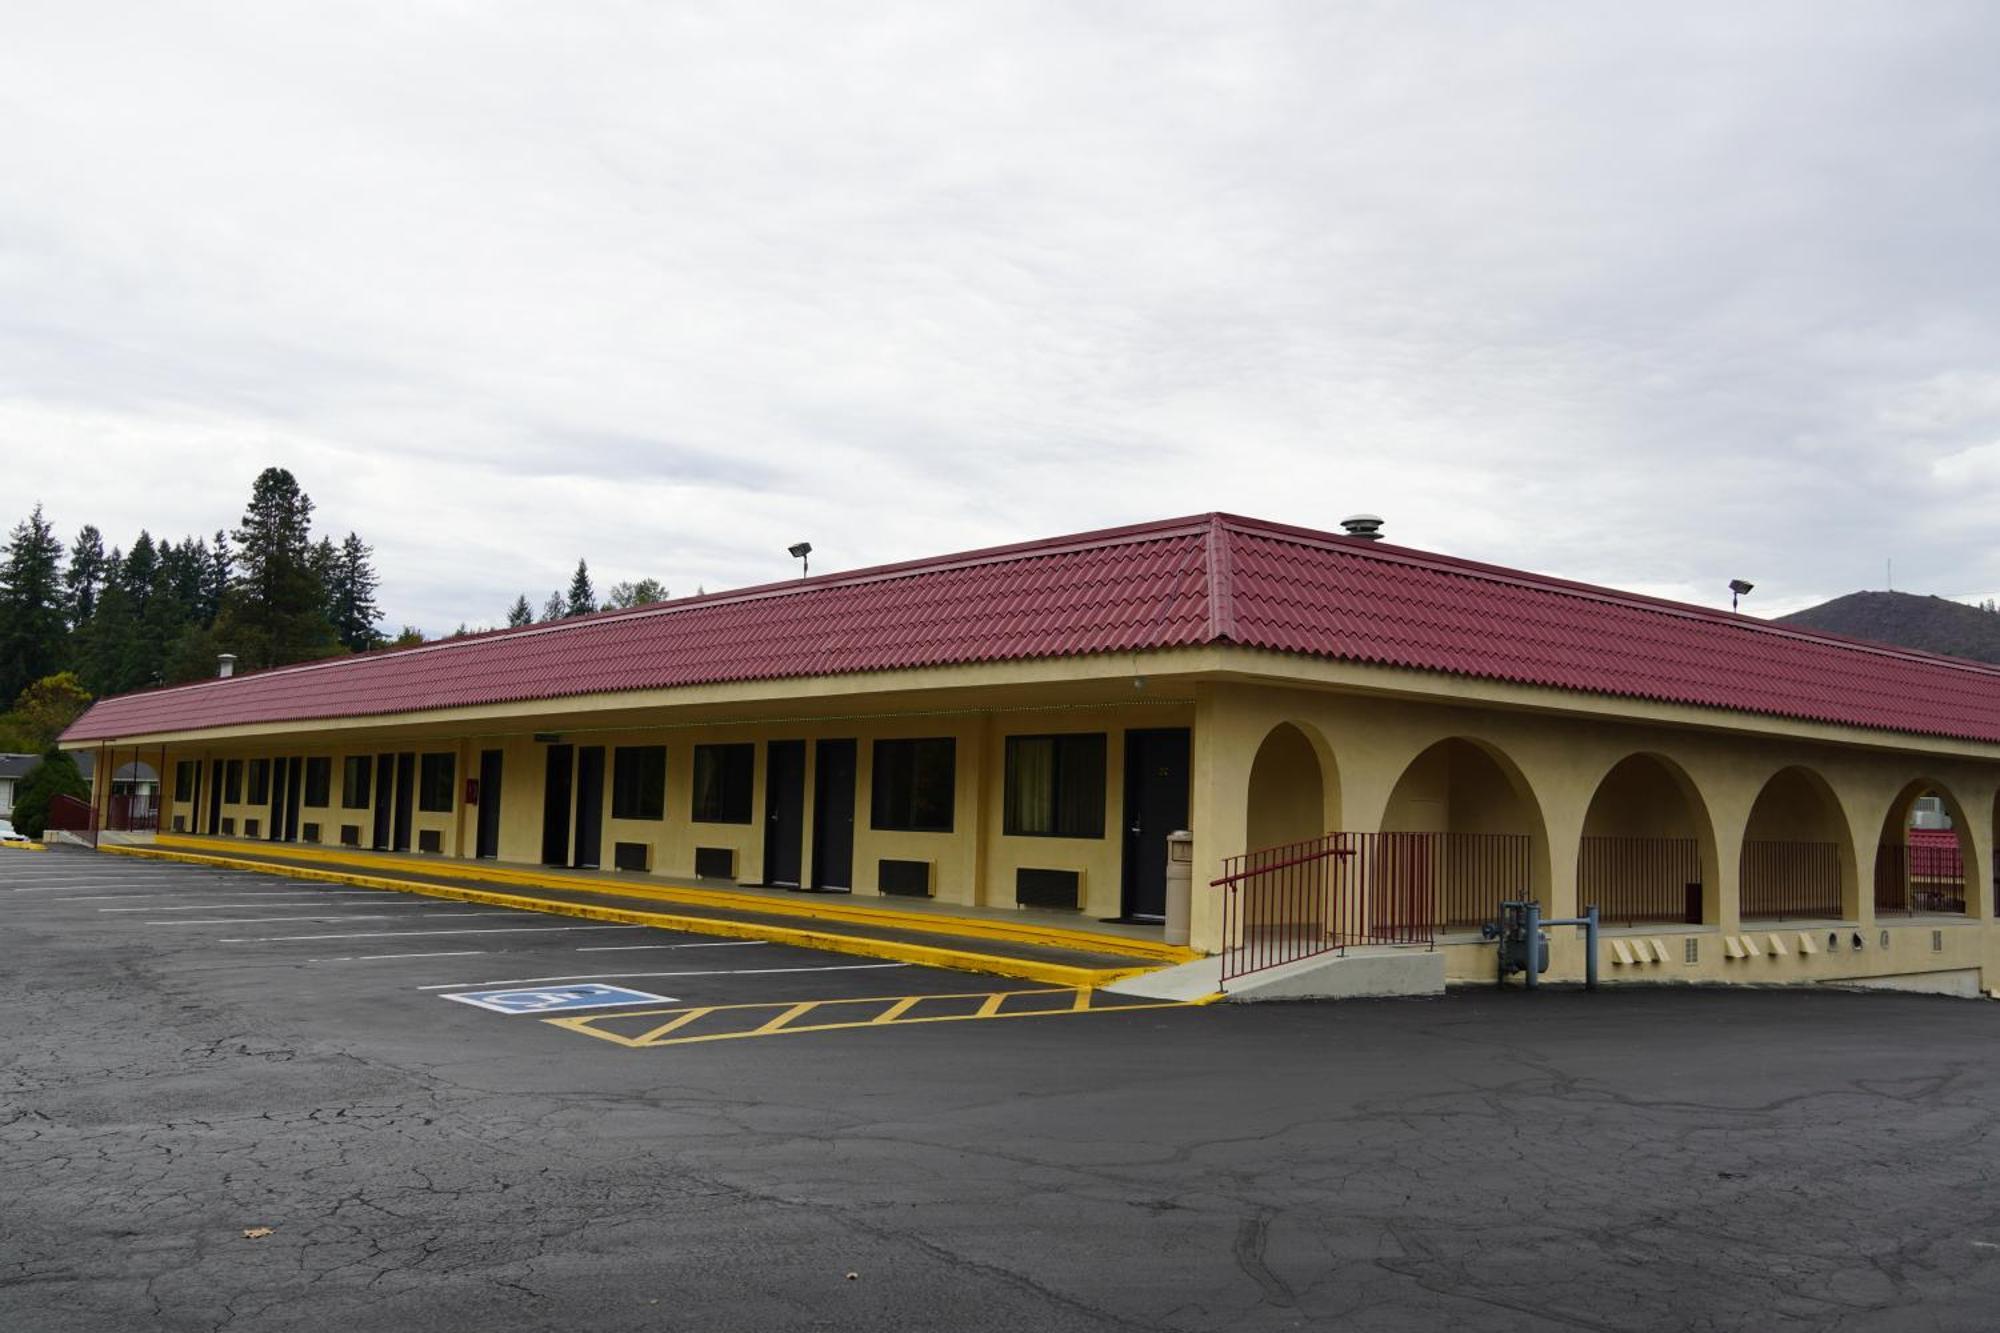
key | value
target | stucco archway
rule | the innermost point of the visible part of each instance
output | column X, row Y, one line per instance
column 1647, row 851
column 1292, row 793
column 1798, row 860
column 1919, row 866
column 1483, row 838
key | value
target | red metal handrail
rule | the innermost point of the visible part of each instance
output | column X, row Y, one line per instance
column 1322, row 895
column 68, row 814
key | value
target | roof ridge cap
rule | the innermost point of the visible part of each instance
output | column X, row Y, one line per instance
column 1221, row 582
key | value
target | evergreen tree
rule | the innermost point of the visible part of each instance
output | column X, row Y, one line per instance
column 520, row 613
column 217, row 577
column 582, row 601
column 555, row 608
column 274, row 611
column 324, row 560
column 86, row 575
column 108, row 649
column 352, row 587
column 142, row 562
column 56, row 775
column 183, row 569
column 32, row 625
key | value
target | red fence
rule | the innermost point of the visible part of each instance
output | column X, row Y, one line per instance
column 1926, row 874
column 1281, row 904
column 67, row 814
column 1795, row 880
column 1640, row 880
column 133, row 813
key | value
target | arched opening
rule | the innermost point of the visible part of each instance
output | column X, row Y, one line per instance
column 1921, row 861
column 1797, row 861
column 1288, row 790
column 1462, row 821
column 1646, row 846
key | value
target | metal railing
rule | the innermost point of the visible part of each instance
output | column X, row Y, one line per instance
column 68, row 814
column 1294, row 901
column 134, row 812
column 1636, row 881
column 1778, row 880
column 1919, row 876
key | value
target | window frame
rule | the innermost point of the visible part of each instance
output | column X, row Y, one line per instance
column 232, row 782
column 899, row 761
column 639, row 782
column 730, row 762
column 186, row 784
column 317, row 781
column 1065, row 747
column 352, row 764
column 436, row 768
column 257, row 782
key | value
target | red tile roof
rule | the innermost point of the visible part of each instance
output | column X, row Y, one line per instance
column 1214, row 578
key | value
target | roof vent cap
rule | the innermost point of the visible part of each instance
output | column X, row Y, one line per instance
column 1368, row 527
column 225, row 665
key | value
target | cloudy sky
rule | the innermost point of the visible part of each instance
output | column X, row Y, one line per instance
column 1646, row 295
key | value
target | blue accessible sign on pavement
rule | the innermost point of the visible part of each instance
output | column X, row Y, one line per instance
column 556, row 999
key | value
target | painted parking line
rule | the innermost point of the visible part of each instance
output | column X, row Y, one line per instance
column 319, row 916
column 639, row 1029
column 383, row 957
column 718, row 972
column 374, row 934
column 223, row 907
column 633, row 948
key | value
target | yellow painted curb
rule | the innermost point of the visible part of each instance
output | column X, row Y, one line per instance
column 961, row 960
column 24, row 846
column 925, row 923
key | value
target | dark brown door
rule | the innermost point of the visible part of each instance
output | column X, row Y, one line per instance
column 784, row 812
column 833, row 815
column 1156, row 804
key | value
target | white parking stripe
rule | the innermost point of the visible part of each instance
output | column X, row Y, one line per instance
column 216, row 907
column 469, row 930
column 601, row 976
column 628, row 948
column 316, row 916
column 378, row 957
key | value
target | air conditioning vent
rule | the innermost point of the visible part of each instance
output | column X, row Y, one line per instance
column 350, row 835
column 311, row 833
column 715, row 862
column 632, row 855
column 1048, row 888
column 904, row 879
column 253, row 828
column 229, row 825
column 430, row 840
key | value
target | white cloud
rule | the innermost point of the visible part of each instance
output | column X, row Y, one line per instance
column 1657, row 298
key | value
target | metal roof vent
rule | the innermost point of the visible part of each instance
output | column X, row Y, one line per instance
column 225, row 665
column 1368, row 527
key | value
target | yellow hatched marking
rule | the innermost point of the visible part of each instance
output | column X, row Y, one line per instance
column 680, row 1022
column 788, row 1016
column 992, row 1005
column 897, row 1010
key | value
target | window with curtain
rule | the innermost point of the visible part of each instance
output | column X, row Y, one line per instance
column 354, row 779
column 639, row 782
column 434, row 783
column 1055, row 786
column 915, row 785
column 319, row 781
column 724, row 777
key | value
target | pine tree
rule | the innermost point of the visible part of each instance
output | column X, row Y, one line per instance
column 141, row 563
column 324, row 562
column 274, row 611
column 352, row 589
column 643, row 593
column 582, row 601
column 555, row 608
column 216, row 579
column 32, row 626
column 520, row 613
column 86, row 575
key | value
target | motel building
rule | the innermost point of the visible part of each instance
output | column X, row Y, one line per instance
column 1372, row 747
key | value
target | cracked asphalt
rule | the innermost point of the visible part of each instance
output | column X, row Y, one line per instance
column 1631, row 1160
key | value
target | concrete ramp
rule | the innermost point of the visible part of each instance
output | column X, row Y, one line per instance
column 1359, row 973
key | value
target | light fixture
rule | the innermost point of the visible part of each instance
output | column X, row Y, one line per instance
column 1738, row 588
column 800, row 551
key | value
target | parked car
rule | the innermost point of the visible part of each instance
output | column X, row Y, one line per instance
column 7, row 834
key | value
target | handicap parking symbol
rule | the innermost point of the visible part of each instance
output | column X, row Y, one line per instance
column 557, row 999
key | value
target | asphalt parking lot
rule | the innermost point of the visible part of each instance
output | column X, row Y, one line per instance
column 192, row 1054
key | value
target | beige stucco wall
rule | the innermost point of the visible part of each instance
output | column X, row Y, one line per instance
column 1387, row 749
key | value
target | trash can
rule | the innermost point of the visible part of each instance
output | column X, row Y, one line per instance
column 1180, row 884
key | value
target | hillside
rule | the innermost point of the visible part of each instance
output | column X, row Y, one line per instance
column 1932, row 624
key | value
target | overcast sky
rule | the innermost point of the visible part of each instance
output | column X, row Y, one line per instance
column 1652, row 296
